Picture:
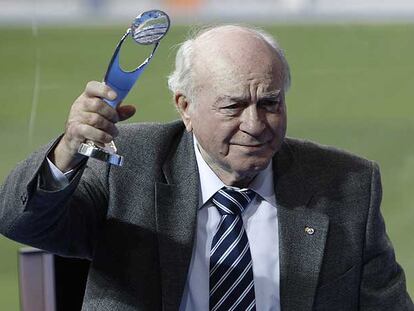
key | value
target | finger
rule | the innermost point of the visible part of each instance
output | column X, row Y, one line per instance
column 99, row 89
column 99, row 122
column 94, row 134
column 77, row 132
column 96, row 105
column 125, row 112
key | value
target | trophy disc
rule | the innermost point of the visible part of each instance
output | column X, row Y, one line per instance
column 150, row 27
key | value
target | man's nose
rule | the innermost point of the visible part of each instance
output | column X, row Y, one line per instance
column 252, row 122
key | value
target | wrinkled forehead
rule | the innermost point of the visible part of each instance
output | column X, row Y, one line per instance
column 234, row 58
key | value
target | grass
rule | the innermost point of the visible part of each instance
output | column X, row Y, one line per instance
column 352, row 87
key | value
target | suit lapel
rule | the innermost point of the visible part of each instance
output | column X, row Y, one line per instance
column 176, row 210
column 302, row 233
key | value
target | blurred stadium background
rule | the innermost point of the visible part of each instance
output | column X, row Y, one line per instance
column 351, row 63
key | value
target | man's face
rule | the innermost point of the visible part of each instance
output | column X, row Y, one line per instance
column 239, row 114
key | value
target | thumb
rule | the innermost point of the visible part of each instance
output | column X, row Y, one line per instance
column 125, row 112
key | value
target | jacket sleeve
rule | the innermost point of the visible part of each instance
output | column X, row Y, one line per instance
column 383, row 281
column 66, row 222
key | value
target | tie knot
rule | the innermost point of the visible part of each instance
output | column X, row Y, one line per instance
column 232, row 201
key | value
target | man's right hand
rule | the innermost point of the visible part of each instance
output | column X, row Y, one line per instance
column 90, row 118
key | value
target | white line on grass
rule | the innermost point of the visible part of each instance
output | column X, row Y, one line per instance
column 35, row 94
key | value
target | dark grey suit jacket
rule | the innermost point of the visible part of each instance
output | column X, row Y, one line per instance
column 137, row 224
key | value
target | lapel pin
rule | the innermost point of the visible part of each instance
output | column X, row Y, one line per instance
column 309, row 230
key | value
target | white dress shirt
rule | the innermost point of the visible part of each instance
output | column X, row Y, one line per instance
column 261, row 224
column 52, row 178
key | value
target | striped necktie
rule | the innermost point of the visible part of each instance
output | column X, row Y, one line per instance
column 231, row 273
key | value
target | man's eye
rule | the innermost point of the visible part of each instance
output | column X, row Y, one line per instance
column 269, row 102
column 271, row 105
column 232, row 108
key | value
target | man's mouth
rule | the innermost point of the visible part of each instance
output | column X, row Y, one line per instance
column 252, row 146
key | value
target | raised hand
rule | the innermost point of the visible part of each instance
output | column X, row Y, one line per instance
column 90, row 118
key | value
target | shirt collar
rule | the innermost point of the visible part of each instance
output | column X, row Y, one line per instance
column 210, row 183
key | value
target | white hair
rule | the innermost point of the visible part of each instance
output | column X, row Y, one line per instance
column 181, row 79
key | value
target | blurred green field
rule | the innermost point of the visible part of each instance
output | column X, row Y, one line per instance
column 353, row 87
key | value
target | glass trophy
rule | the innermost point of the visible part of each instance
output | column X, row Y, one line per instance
column 147, row 28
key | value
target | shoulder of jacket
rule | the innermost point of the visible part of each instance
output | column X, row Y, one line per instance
column 150, row 128
column 149, row 133
column 147, row 143
column 325, row 155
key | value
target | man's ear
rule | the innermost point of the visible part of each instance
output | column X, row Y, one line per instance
column 183, row 107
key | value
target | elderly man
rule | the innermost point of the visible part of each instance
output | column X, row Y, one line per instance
column 218, row 211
